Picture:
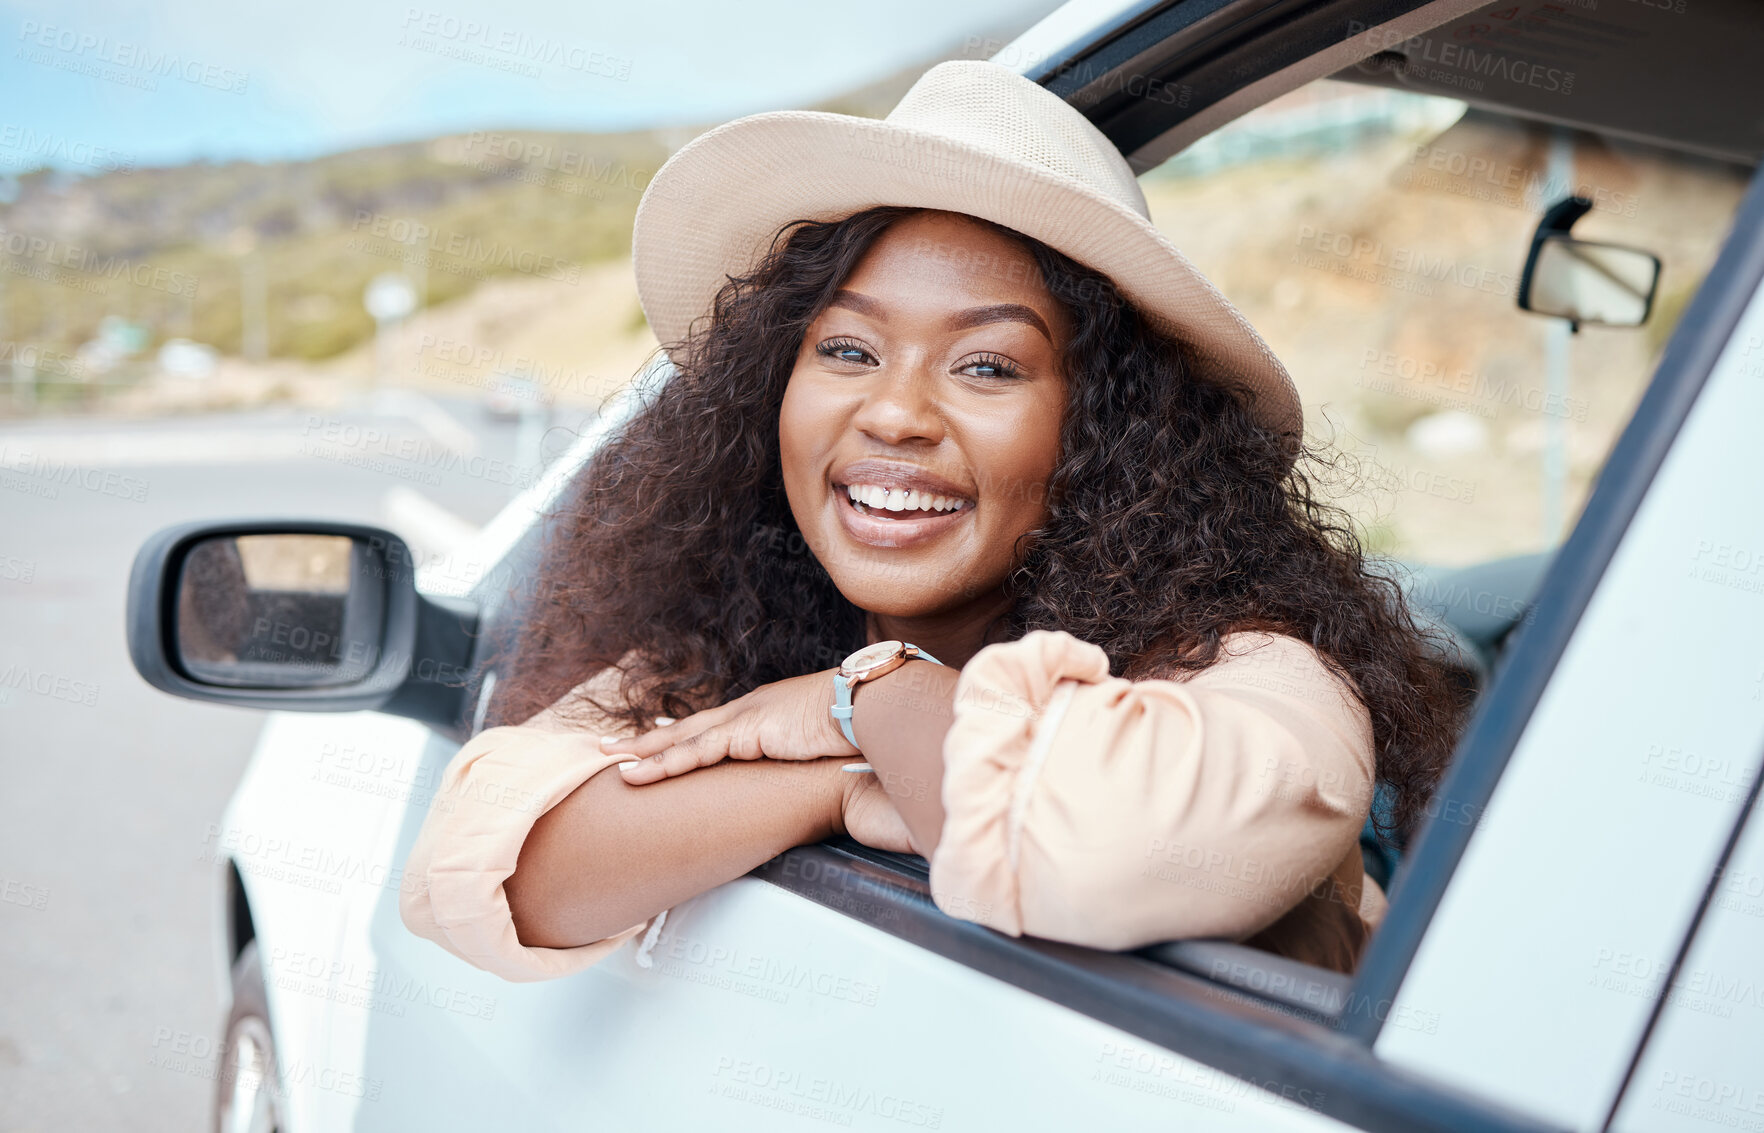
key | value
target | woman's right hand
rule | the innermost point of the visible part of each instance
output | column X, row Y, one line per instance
column 867, row 814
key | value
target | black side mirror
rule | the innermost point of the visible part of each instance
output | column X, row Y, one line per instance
column 297, row 615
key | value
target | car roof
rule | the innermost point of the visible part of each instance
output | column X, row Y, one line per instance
column 1156, row 75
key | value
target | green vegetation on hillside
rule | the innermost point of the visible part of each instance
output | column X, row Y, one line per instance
column 175, row 248
column 182, row 249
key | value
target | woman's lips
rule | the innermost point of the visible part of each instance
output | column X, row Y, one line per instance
column 877, row 532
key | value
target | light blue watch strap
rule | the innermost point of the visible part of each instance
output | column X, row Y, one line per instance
column 842, row 707
column 842, row 695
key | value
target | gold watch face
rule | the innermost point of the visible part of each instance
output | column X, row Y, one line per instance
column 872, row 655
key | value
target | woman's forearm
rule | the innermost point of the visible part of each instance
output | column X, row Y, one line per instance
column 900, row 719
column 611, row 855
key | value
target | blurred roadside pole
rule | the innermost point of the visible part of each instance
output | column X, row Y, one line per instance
column 253, row 295
column 23, row 390
column 23, row 396
column 390, row 296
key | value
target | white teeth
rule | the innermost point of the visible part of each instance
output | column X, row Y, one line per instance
column 901, row 499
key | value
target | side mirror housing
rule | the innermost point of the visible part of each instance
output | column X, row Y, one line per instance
column 297, row 615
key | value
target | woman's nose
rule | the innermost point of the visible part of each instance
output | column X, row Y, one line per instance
column 901, row 405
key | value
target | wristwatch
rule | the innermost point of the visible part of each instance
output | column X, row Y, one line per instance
column 867, row 664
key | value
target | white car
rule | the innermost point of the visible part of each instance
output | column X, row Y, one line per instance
column 1574, row 940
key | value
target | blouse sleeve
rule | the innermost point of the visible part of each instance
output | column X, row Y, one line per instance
column 1115, row 813
column 491, row 794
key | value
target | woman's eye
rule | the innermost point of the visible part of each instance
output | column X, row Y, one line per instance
column 999, row 367
column 843, row 349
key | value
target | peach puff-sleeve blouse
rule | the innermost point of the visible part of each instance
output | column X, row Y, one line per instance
column 1078, row 807
column 491, row 793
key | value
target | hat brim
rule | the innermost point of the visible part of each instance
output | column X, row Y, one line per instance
column 711, row 210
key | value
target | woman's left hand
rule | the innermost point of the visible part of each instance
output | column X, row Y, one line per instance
column 786, row 719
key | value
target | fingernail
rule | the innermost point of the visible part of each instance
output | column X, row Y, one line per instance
column 628, row 766
column 608, row 741
column 663, row 721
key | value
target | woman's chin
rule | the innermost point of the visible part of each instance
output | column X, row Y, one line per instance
column 888, row 595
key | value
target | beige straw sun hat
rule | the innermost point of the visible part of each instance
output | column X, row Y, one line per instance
column 971, row 136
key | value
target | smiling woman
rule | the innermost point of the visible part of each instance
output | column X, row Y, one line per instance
column 1160, row 680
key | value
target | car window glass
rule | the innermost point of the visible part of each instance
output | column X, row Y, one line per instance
column 1376, row 239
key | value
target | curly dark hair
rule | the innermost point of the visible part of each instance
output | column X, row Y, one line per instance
column 1175, row 518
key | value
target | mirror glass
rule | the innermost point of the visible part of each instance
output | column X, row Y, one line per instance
column 1592, row 283
column 279, row 611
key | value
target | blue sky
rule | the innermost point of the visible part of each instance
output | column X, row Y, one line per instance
column 103, row 81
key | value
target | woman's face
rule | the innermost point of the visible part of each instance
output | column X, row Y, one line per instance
column 934, row 371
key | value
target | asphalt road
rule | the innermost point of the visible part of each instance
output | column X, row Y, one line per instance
column 106, row 785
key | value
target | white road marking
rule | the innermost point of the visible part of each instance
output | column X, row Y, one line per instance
column 428, row 527
column 149, row 448
column 158, row 447
column 444, row 546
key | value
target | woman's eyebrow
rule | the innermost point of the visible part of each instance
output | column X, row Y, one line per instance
column 857, row 301
column 961, row 320
column 998, row 313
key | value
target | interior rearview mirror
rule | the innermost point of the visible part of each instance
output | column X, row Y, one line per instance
column 1585, row 282
column 297, row 615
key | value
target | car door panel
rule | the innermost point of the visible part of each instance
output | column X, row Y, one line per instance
column 1703, row 1066
column 764, row 1010
column 301, row 830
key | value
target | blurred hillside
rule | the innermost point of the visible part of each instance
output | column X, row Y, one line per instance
column 269, row 262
